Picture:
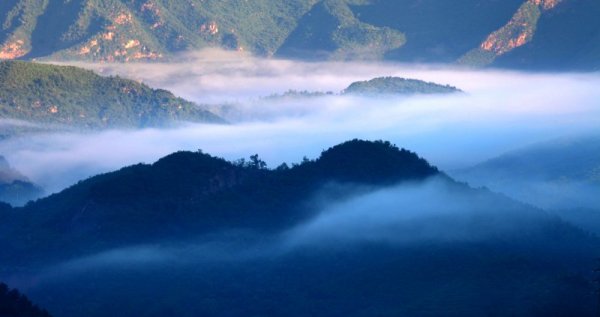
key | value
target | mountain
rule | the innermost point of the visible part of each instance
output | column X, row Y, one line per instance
column 118, row 30
column 562, row 176
column 15, row 188
column 438, row 31
column 188, row 192
column 15, row 304
column 535, row 34
column 562, row 173
column 365, row 229
column 70, row 96
column 567, row 36
column 331, row 30
column 372, row 87
column 397, row 86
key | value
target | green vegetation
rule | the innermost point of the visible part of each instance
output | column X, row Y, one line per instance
column 410, row 30
column 331, row 30
column 50, row 94
column 374, row 87
column 397, row 86
column 116, row 30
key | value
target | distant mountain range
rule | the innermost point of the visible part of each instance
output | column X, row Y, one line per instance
column 380, row 86
column 561, row 176
column 76, row 98
column 533, row 34
column 556, row 174
column 422, row 245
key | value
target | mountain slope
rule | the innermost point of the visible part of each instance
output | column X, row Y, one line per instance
column 116, row 30
column 566, row 37
column 50, row 94
column 562, row 173
column 331, row 30
column 194, row 192
column 509, row 33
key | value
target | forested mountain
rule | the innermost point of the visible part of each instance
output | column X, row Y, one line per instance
column 510, row 33
column 15, row 304
column 187, row 193
column 397, row 86
column 380, row 86
column 70, row 96
column 367, row 228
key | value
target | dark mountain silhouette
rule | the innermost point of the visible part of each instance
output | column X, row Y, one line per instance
column 15, row 304
column 193, row 193
column 489, row 255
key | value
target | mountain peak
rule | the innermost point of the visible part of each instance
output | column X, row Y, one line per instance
column 373, row 162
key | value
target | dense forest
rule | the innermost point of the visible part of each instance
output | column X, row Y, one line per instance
column 65, row 95
column 397, row 86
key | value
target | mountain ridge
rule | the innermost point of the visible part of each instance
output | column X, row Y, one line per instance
column 206, row 193
column 512, row 33
column 67, row 95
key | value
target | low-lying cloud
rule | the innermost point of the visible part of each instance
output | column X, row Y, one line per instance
column 424, row 212
column 430, row 211
column 500, row 110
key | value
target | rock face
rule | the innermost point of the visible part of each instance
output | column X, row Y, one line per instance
column 519, row 31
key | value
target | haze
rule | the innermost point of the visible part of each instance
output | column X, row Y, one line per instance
column 499, row 111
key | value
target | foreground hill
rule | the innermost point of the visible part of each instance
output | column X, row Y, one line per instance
column 187, row 193
column 366, row 228
column 15, row 304
column 65, row 95
column 511, row 33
